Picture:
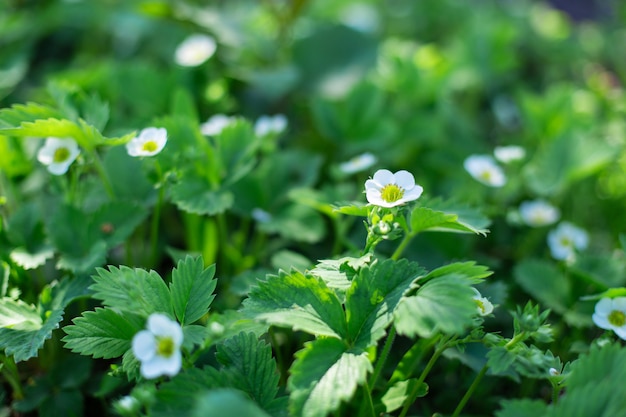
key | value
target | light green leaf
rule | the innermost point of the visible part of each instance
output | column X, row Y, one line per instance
column 192, row 289
column 545, row 282
column 251, row 365
column 133, row 290
column 446, row 216
column 30, row 112
column 522, row 408
column 195, row 195
column 237, row 146
column 338, row 273
column 298, row 301
column 475, row 273
column 396, row 394
column 373, row 296
column 323, row 375
column 352, row 209
column 443, row 305
column 31, row 260
column 102, row 333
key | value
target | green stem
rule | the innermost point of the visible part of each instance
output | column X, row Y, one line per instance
column 9, row 371
column 469, row 392
column 402, row 246
column 154, row 227
column 517, row 338
column 556, row 390
column 369, row 403
column 414, row 392
column 103, row 175
column 383, row 356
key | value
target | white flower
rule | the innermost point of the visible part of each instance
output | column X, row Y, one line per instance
column 485, row 170
column 387, row 189
column 261, row 215
column 158, row 347
column 358, row 163
column 610, row 314
column 215, row 124
column 58, row 154
column 128, row 404
column 506, row 154
column 565, row 240
column 538, row 213
column 483, row 305
column 150, row 142
column 195, row 50
column 266, row 125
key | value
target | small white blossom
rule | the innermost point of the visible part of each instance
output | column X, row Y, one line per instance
column 506, row 154
column 387, row 189
column 261, row 215
column 358, row 163
column 554, row 372
column 565, row 240
column 215, row 124
column 128, row 404
column 483, row 305
column 158, row 347
column 195, row 50
column 483, row 168
column 266, row 125
column 538, row 213
column 58, row 154
column 150, row 142
column 610, row 314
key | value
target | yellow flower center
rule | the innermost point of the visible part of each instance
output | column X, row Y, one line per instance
column 617, row 318
column 150, row 146
column 486, row 175
column 60, row 155
column 481, row 305
column 165, row 346
column 391, row 193
column 566, row 241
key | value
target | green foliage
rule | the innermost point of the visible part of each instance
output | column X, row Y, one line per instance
column 192, row 288
column 545, row 282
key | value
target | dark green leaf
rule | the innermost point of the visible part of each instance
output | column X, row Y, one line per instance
column 545, row 282
column 195, row 195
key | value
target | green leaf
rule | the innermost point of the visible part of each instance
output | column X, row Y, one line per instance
column 373, row 297
column 194, row 195
column 251, row 365
column 522, row 408
column 352, row 209
column 133, row 290
column 183, row 105
column 192, row 289
column 115, row 221
column 24, row 328
column 237, row 146
column 323, row 375
column 296, row 222
column 102, row 333
column 470, row 270
column 545, row 282
column 30, row 112
column 443, row 304
column 127, row 176
column 445, row 216
column 338, row 273
column 395, row 396
column 229, row 402
column 299, row 301
column 31, row 260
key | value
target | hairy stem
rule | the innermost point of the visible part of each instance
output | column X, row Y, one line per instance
column 384, row 353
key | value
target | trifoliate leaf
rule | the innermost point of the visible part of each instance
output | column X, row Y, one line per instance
column 323, row 375
column 192, row 289
column 133, row 290
column 302, row 302
column 373, row 296
column 250, row 362
column 195, row 195
column 102, row 333
column 443, row 304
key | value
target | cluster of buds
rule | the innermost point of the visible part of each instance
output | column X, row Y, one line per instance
column 384, row 227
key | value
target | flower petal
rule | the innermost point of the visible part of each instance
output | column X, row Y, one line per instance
column 384, row 177
column 144, row 345
column 413, row 194
column 404, row 179
column 621, row 332
column 601, row 321
column 604, row 306
column 619, row 303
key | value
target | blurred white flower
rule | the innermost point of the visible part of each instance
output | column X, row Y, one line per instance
column 195, row 50
column 483, row 168
column 387, row 189
column 58, row 154
column 610, row 314
column 506, row 154
column 538, row 213
column 483, row 305
column 565, row 240
column 358, row 163
column 150, row 142
column 261, row 215
column 158, row 347
column 215, row 124
column 266, row 125
column 127, row 404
